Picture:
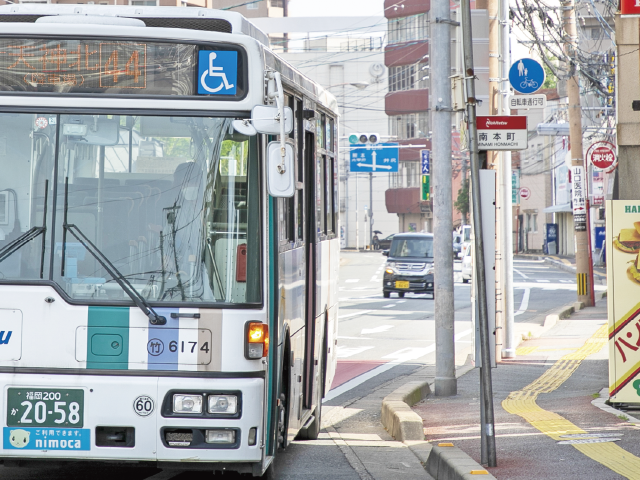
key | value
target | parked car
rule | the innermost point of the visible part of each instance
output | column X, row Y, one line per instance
column 385, row 243
column 410, row 265
column 466, row 263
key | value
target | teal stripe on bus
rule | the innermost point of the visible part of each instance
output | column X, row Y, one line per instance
column 108, row 338
column 271, row 321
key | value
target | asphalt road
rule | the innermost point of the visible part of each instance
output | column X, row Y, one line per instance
column 381, row 343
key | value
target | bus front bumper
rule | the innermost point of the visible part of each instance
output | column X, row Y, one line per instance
column 131, row 418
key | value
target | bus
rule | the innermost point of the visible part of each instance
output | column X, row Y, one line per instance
column 168, row 248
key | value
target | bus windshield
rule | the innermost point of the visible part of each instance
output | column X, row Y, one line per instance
column 171, row 201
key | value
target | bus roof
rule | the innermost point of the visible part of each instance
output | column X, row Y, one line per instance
column 214, row 22
column 162, row 17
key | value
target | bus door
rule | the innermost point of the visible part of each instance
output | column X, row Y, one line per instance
column 311, row 189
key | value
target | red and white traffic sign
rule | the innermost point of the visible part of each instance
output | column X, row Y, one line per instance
column 502, row 132
column 603, row 156
column 525, row 193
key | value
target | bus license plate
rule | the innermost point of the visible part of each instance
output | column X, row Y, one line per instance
column 400, row 284
column 45, row 407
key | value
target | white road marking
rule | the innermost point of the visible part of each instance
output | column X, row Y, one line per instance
column 380, row 329
column 354, row 314
column 374, row 279
column 524, row 304
column 527, row 267
column 401, row 301
column 346, row 352
column 543, row 281
column 353, row 338
column 567, row 281
column 352, row 280
column 515, row 270
column 359, row 380
column 389, row 306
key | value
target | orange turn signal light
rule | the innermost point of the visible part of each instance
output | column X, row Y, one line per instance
column 257, row 340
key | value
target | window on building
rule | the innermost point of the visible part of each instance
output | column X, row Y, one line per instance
column 409, row 125
column 534, row 222
column 407, row 29
column 254, row 5
column 143, row 3
column 408, row 77
column 596, row 33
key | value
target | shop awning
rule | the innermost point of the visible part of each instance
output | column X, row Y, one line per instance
column 563, row 208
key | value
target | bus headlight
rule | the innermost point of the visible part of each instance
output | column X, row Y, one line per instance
column 187, row 403
column 223, row 404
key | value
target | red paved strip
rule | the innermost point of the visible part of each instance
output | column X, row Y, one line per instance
column 348, row 369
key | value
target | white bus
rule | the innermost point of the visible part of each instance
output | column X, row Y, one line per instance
column 168, row 247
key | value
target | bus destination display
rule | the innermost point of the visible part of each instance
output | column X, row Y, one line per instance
column 97, row 66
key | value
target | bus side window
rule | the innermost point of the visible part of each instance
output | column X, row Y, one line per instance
column 334, row 143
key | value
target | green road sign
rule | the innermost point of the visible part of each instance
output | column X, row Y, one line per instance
column 425, row 188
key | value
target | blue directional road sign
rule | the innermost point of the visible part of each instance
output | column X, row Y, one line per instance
column 377, row 157
column 526, row 75
column 426, row 166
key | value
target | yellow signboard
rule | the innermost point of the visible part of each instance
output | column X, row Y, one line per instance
column 623, row 280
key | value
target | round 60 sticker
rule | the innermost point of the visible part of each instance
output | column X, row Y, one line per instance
column 143, row 405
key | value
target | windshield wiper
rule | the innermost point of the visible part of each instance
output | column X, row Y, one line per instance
column 120, row 279
column 29, row 235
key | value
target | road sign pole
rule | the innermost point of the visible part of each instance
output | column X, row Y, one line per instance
column 486, row 387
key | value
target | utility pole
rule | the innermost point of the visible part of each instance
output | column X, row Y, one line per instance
column 584, row 273
column 486, row 388
column 509, row 342
column 440, row 56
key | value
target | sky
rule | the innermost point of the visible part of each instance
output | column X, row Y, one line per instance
column 329, row 8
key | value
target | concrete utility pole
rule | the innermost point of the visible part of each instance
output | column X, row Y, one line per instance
column 509, row 340
column 440, row 56
column 583, row 253
column 486, row 388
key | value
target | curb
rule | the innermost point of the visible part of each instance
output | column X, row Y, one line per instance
column 563, row 312
column 447, row 462
column 397, row 417
column 560, row 265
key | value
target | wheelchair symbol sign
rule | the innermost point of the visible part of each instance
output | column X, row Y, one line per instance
column 217, row 72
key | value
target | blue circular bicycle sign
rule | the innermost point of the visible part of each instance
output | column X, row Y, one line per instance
column 526, row 75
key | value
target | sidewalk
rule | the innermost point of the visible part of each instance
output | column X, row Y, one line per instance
column 566, row 263
column 551, row 390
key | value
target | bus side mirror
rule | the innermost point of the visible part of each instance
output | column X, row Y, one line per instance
column 280, row 171
column 266, row 119
column 385, row 253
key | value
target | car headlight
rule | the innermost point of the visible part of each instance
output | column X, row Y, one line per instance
column 391, row 267
column 223, row 404
column 430, row 270
column 187, row 403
